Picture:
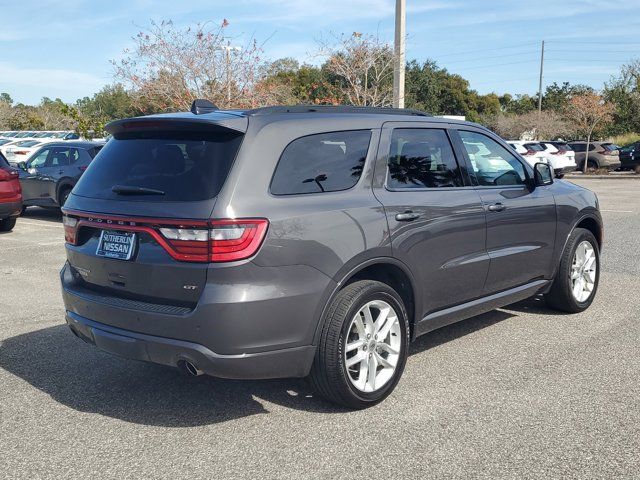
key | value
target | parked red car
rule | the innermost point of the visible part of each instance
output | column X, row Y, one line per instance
column 10, row 196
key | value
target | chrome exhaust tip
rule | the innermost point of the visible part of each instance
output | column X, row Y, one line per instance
column 189, row 368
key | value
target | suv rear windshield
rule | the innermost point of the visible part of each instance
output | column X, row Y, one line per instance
column 164, row 166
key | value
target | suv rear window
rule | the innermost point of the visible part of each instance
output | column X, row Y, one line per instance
column 184, row 166
column 326, row 162
column 3, row 162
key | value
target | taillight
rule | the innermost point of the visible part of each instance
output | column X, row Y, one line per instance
column 70, row 229
column 224, row 241
column 20, row 152
column 530, row 152
column 236, row 239
column 184, row 240
column 7, row 173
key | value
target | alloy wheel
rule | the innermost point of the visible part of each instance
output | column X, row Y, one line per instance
column 373, row 344
column 583, row 271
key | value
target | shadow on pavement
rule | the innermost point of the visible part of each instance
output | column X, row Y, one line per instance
column 47, row 214
column 88, row 380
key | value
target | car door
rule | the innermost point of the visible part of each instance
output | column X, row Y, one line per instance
column 30, row 176
column 521, row 219
column 435, row 216
column 55, row 168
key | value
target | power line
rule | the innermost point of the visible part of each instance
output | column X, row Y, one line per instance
column 500, row 64
column 479, row 59
column 489, row 49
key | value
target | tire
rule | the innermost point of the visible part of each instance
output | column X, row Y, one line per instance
column 330, row 376
column 7, row 224
column 63, row 195
column 561, row 296
column 592, row 165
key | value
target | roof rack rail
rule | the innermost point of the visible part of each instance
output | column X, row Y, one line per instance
column 333, row 109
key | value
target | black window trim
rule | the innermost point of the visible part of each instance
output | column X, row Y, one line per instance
column 373, row 138
column 528, row 170
column 461, row 169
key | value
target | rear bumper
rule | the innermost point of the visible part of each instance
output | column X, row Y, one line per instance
column 291, row 362
column 10, row 209
column 238, row 329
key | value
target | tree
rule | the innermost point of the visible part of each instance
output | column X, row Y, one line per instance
column 287, row 82
column 547, row 125
column 6, row 98
column 169, row 67
column 360, row 68
column 556, row 97
column 624, row 92
column 439, row 92
column 588, row 111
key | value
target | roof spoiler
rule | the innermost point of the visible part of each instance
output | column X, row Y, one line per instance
column 201, row 106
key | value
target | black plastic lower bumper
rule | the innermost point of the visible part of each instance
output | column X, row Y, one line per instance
column 10, row 209
column 291, row 362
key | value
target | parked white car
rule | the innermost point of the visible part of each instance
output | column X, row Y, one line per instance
column 531, row 151
column 562, row 157
column 21, row 150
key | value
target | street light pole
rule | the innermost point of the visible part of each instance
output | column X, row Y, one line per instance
column 399, row 51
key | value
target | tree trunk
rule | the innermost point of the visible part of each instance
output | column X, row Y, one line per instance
column 586, row 155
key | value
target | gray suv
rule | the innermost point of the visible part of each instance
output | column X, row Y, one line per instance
column 312, row 241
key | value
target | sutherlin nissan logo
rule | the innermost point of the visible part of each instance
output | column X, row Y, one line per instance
column 111, row 222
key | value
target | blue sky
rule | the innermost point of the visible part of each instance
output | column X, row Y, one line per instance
column 62, row 48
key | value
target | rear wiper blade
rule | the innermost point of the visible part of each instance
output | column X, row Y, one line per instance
column 133, row 190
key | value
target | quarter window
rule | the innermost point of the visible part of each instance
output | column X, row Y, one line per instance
column 422, row 158
column 492, row 163
column 326, row 162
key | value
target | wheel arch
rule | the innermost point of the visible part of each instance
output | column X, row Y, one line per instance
column 388, row 270
column 589, row 220
column 62, row 186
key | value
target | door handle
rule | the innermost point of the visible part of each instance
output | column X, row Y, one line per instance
column 407, row 216
column 496, row 207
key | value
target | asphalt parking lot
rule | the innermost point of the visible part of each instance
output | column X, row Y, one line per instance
column 521, row 392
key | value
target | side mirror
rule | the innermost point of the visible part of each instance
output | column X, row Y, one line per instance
column 543, row 174
column 22, row 166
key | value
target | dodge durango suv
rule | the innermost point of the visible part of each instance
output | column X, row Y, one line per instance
column 313, row 241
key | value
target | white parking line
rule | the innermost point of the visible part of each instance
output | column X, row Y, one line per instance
column 617, row 211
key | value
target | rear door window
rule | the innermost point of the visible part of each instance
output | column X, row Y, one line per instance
column 326, row 162
column 422, row 158
column 178, row 166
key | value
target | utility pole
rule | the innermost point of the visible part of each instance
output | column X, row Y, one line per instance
column 227, row 57
column 540, row 84
column 399, row 49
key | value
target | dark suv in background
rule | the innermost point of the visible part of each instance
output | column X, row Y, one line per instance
column 52, row 171
column 312, row 241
